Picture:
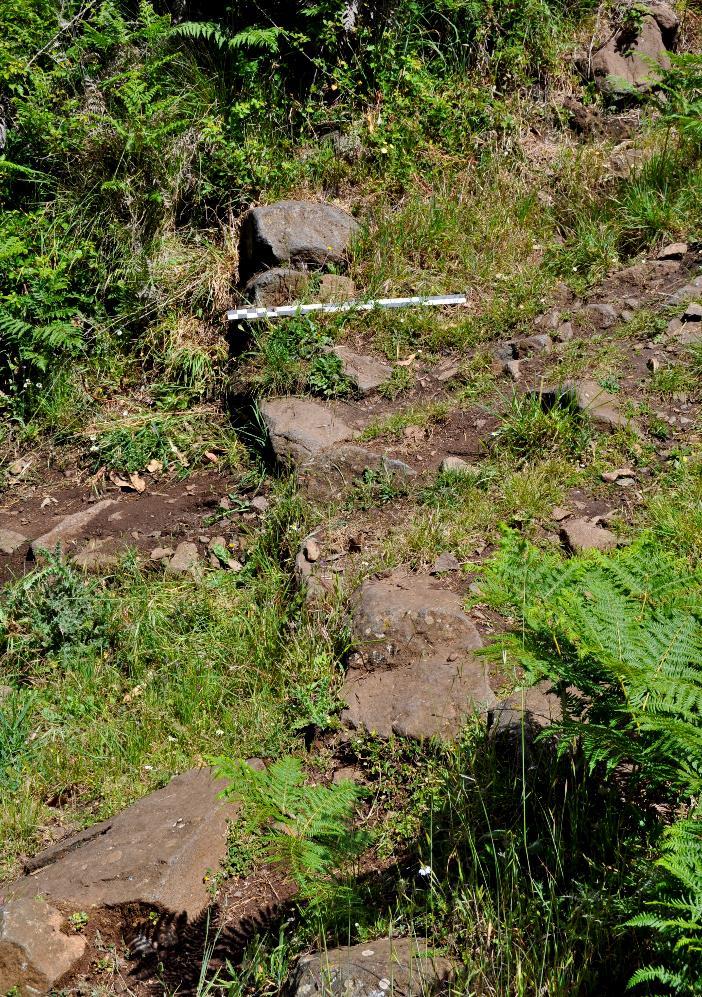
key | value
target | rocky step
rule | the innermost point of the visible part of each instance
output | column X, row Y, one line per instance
column 404, row 967
column 156, row 853
column 308, row 436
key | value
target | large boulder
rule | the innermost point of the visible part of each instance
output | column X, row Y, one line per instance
column 403, row 967
column 301, row 234
column 415, row 670
column 156, row 852
column 632, row 58
column 35, row 950
column 300, row 428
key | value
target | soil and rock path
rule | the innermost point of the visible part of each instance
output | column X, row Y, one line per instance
column 413, row 671
column 131, row 903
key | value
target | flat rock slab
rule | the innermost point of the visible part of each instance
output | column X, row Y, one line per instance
column 10, row 541
column 100, row 554
column 579, row 535
column 71, row 527
column 401, row 967
column 429, row 698
column 300, row 233
column 155, row 852
column 415, row 671
column 333, row 472
column 34, row 952
column 300, row 428
column 365, row 372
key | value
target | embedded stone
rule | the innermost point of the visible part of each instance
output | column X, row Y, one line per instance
column 70, row 527
column 301, row 234
column 366, row 373
column 579, row 535
column 10, row 541
column 35, row 953
column 301, row 428
column 403, row 967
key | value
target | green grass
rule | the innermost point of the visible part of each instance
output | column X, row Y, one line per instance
column 117, row 688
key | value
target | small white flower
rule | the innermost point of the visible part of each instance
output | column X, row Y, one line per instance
column 425, row 870
column 148, row 768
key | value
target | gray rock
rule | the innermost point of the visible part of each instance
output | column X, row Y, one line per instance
column 531, row 708
column 601, row 406
column 564, row 332
column 300, row 428
column 540, row 343
column 580, row 535
column 693, row 312
column 512, row 369
column 99, row 555
column 603, row 316
column 330, row 473
column 279, row 286
column 185, row 560
column 300, row 233
column 415, row 671
column 10, row 541
column 71, row 527
column 260, row 503
column 365, row 372
column 629, row 62
column 34, row 951
column 456, row 465
column 445, row 562
column 334, row 288
column 675, row 251
column 155, row 852
column 690, row 292
column 667, row 19
column 402, row 967
column 158, row 553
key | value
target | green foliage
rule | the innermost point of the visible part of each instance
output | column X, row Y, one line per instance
column 625, row 630
column 326, row 377
column 376, row 487
column 15, row 727
column 308, row 830
column 531, row 428
column 52, row 611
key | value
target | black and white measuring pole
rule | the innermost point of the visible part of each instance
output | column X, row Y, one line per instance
column 290, row 311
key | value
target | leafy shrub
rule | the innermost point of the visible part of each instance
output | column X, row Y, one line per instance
column 531, row 428
column 50, row 611
column 308, row 830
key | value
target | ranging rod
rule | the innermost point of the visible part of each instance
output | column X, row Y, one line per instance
column 288, row 311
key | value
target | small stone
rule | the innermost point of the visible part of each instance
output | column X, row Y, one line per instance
column 414, row 433
column 580, row 535
column 98, row 555
column 365, row 372
column 625, row 482
column 311, row 550
column 185, row 560
column 11, row 541
column 621, row 472
column 564, row 332
column 19, row 467
column 511, row 369
column 334, row 288
column 158, row 553
column 541, row 343
column 675, row 251
column 217, row 542
column 260, row 503
column 456, row 465
column 445, row 562
column 5, row 691
column 604, row 316
column 558, row 513
column 653, row 364
column 34, row 951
